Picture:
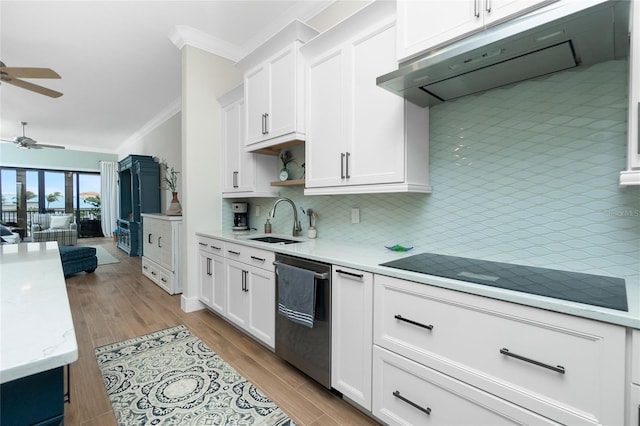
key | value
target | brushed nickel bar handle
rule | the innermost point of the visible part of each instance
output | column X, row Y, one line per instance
column 476, row 9
column 318, row 276
column 488, row 6
column 427, row 410
column 266, row 123
column 558, row 369
column 258, row 258
column 237, row 253
column 412, row 322
column 342, row 165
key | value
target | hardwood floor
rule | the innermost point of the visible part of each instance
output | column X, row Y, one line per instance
column 117, row 302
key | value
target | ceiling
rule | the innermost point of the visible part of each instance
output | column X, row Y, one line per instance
column 119, row 68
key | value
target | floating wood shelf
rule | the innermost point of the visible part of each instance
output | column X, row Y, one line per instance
column 293, row 182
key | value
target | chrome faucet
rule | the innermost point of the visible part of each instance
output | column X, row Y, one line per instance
column 297, row 229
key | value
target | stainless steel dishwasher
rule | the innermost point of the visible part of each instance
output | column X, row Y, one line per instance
column 308, row 349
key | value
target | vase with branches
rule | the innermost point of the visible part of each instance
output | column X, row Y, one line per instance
column 170, row 179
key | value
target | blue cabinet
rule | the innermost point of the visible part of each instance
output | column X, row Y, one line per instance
column 33, row 400
column 139, row 193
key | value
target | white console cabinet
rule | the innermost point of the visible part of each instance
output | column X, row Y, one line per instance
column 162, row 251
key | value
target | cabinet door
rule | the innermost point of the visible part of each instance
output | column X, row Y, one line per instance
column 238, row 165
column 423, row 25
column 164, row 245
column 496, row 11
column 282, row 94
column 326, row 131
column 237, row 299
column 151, row 231
column 218, row 300
column 377, row 148
column 261, row 292
column 256, row 95
column 205, row 277
column 351, row 334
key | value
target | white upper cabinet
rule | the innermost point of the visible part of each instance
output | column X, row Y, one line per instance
column 245, row 174
column 273, row 89
column 631, row 176
column 424, row 25
column 361, row 138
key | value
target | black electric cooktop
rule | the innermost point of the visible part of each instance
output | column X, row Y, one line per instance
column 607, row 292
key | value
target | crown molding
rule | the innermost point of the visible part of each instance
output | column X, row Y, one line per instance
column 181, row 35
column 168, row 112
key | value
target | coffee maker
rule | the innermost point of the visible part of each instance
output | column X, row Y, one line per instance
column 240, row 216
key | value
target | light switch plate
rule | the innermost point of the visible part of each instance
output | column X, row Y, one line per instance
column 355, row 215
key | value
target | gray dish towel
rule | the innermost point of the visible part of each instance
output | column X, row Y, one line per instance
column 296, row 294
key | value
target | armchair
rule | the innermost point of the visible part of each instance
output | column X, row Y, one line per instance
column 54, row 227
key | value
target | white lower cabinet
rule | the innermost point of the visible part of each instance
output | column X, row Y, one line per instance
column 162, row 251
column 351, row 334
column 211, row 285
column 408, row 393
column 250, row 291
column 568, row 369
column 238, row 282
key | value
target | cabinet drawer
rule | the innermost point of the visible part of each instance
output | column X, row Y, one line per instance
column 211, row 245
column 162, row 277
column 567, row 368
column 407, row 393
column 251, row 256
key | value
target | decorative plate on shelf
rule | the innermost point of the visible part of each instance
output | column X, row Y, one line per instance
column 398, row 247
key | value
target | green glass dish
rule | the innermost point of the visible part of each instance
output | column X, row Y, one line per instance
column 398, row 248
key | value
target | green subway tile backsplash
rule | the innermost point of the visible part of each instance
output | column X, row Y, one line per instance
column 524, row 174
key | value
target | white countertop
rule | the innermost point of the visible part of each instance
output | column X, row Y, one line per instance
column 368, row 258
column 36, row 328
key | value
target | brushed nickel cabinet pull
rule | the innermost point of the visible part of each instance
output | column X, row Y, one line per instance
column 258, row 258
column 237, row 253
column 558, row 368
column 342, row 165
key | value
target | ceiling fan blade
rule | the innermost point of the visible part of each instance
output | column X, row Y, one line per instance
column 30, row 86
column 29, row 72
column 42, row 145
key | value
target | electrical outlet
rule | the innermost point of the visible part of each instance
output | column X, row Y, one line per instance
column 355, row 215
column 257, row 211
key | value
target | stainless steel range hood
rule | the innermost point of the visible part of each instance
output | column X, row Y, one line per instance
column 558, row 37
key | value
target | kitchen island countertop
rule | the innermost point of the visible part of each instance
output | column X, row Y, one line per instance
column 369, row 258
column 36, row 327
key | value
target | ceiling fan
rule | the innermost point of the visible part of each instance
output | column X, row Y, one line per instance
column 25, row 142
column 12, row 75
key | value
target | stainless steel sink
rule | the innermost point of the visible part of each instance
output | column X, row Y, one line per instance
column 275, row 240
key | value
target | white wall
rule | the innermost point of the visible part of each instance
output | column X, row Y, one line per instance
column 205, row 77
column 161, row 140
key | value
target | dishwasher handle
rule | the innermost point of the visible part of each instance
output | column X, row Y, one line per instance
column 318, row 276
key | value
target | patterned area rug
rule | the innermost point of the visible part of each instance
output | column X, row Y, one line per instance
column 171, row 377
